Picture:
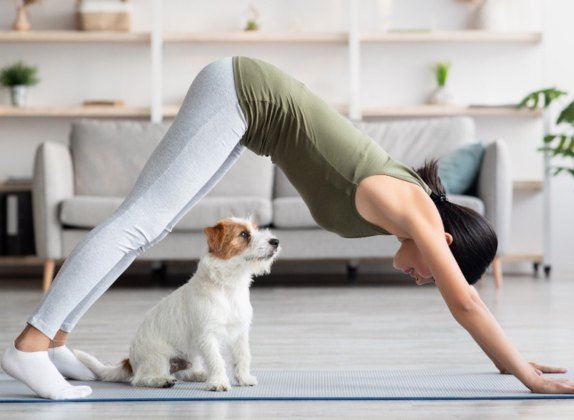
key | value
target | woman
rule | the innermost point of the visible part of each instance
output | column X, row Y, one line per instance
column 351, row 185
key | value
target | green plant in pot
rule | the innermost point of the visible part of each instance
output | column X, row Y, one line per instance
column 18, row 77
column 252, row 22
column 441, row 95
column 559, row 139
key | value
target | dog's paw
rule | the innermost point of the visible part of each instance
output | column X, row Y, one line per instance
column 156, row 382
column 218, row 384
column 199, row 376
column 191, row 376
column 246, row 380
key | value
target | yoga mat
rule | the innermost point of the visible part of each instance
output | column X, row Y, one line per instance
column 319, row 385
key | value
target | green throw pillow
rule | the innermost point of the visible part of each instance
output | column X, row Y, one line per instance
column 458, row 169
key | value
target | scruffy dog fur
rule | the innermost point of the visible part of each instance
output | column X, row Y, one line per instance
column 186, row 334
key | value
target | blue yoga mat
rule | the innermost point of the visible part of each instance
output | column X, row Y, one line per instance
column 309, row 385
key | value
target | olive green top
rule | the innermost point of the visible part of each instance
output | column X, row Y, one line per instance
column 322, row 153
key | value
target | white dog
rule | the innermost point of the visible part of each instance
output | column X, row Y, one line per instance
column 202, row 319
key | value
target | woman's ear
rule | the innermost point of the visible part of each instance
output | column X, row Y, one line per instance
column 448, row 237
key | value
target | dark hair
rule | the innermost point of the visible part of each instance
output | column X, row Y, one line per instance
column 474, row 240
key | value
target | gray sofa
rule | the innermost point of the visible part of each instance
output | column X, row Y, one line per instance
column 76, row 186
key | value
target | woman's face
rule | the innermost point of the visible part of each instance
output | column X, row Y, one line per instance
column 409, row 260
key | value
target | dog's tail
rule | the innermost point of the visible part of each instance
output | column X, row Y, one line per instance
column 120, row 373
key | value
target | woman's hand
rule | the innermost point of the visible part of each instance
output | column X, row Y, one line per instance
column 544, row 385
column 552, row 386
column 540, row 369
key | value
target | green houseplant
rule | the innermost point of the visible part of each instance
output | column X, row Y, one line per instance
column 18, row 77
column 252, row 22
column 560, row 142
column 441, row 95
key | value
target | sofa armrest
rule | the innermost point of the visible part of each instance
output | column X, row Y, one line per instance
column 495, row 190
column 52, row 182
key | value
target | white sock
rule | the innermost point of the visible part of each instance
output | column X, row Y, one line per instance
column 39, row 374
column 68, row 364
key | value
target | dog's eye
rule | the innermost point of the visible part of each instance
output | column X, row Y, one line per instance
column 245, row 234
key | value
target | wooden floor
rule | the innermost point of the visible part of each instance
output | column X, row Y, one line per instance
column 322, row 322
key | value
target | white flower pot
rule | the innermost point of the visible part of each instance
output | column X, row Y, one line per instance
column 441, row 96
column 491, row 16
column 19, row 95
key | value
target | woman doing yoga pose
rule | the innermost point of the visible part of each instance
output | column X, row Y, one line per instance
column 351, row 186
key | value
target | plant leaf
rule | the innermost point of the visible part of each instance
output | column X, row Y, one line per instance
column 567, row 114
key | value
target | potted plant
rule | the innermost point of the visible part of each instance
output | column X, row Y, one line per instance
column 252, row 22
column 558, row 140
column 22, row 23
column 18, row 77
column 441, row 95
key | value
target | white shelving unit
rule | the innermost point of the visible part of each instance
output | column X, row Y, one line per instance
column 157, row 39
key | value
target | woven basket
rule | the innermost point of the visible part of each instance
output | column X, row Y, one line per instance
column 104, row 15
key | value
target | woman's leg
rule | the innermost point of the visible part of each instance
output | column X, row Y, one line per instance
column 200, row 146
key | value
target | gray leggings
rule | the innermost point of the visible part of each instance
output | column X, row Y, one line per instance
column 198, row 149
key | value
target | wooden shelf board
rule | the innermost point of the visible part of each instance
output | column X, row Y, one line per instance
column 74, row 36
column 453, row 36
column 262, row 36
column 9, row 186
column 529, row 185
column 21, row 260
column 171, row 111
column 75, row 111
column 440, row 110
column 534, row 257
column 256, row 37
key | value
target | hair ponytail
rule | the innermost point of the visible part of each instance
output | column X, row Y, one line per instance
column 474, row 240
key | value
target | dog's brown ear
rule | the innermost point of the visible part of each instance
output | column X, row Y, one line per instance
column 214, row 237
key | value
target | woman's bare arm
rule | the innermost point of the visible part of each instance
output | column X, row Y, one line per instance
column 428, row 234
column 381, row 200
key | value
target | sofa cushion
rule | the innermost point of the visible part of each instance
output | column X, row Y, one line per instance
column 468, row 201
column 109, row 155
column 88, row 211
column 414, row 141
column 292, row 213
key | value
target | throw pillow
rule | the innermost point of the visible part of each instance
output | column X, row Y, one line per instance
column 458, row 169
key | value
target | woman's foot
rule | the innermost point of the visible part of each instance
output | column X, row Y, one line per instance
column 68, row 364
column 38, row 373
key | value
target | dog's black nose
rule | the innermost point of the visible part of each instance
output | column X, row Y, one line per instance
column 274, row 242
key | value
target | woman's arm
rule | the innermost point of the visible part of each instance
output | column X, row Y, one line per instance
column 470, row 312
column 540, row 369
column 381, row 200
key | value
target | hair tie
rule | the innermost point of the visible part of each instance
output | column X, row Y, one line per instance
column 438, row 198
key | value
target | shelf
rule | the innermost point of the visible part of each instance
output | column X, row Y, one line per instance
column 74, row 37
column 257, row 37
column 441, row 110
column 75, row 111
column 11, row 186
column 534, row 257
column 270, row 37
column 21, row 260
column 528, row 185
column 171, row 110
column 453, row 36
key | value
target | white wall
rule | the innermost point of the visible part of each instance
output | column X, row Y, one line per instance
column 391, row 74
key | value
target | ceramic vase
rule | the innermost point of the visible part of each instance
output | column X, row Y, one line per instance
column 19, row 95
